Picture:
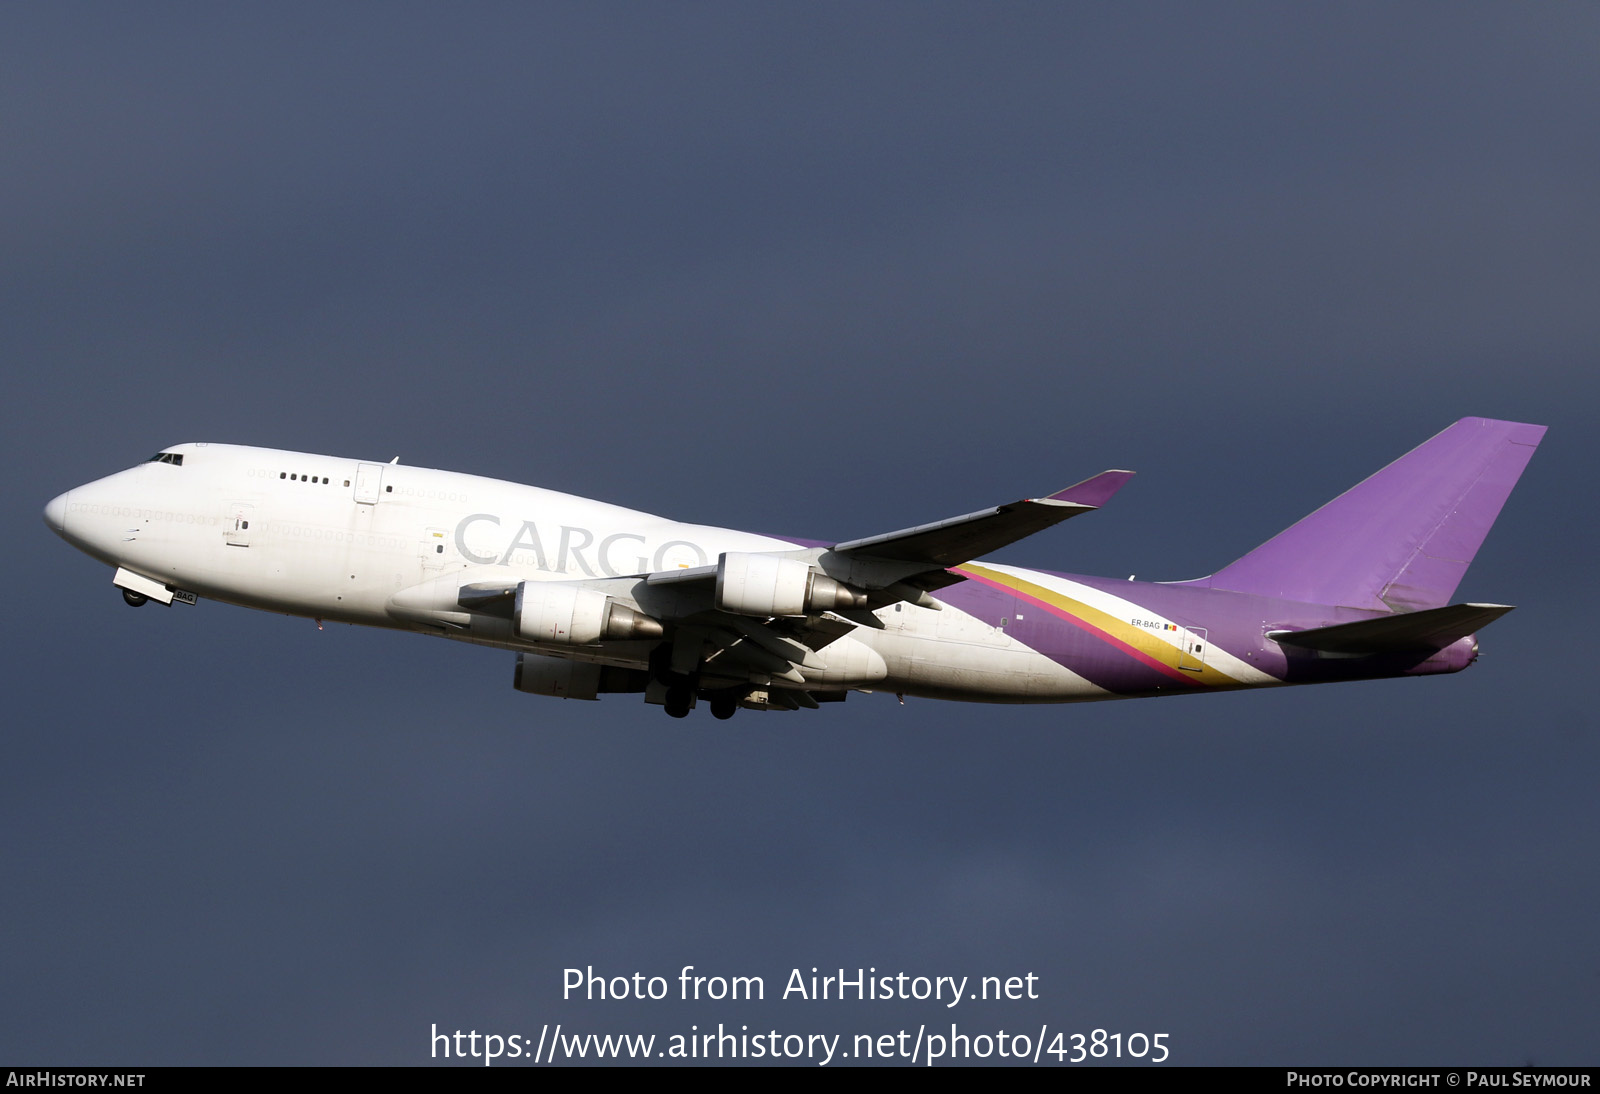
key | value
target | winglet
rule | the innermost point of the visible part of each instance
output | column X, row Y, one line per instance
column 1094, row 491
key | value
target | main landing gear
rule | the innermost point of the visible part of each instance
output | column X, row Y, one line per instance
column 135, row 600
column 682, row 688
column 680, row 697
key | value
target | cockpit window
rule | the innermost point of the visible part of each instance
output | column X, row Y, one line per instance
column 167, row 457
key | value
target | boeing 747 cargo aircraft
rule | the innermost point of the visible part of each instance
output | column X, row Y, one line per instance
column 594, row 598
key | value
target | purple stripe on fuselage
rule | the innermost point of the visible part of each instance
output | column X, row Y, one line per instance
column 1099, row 633
column 1234, row 622
column 1075, row 644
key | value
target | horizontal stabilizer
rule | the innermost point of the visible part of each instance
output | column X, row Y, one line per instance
column 962, row 539
column 1433, row 629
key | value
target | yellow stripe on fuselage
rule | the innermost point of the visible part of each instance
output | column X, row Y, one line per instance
column 1139, row 638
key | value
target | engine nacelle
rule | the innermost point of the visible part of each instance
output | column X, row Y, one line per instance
column 767, row 585
column 575, row 614
column 540, row 675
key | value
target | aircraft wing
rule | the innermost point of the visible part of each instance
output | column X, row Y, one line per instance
column 958, row 539
column 962, row 539
column 688, row 607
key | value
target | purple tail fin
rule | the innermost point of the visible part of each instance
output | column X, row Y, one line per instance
column 1402, row 540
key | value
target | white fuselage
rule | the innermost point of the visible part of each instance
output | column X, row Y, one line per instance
column 337, row 539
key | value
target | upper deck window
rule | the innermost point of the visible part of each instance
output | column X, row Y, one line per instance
column 175, row 458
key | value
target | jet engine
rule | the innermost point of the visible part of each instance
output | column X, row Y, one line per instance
column 540, row 675
column 574, row 614
column 767, row 585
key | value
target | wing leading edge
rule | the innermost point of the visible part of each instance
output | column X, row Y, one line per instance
column 964, row 538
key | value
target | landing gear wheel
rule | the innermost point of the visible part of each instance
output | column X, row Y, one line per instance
column 724, row 707
column 135, row 600
column 679, row 698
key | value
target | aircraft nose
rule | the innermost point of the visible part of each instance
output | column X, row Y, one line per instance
column 55, row 514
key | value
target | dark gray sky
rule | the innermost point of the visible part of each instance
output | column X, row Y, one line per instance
column 824, row 271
